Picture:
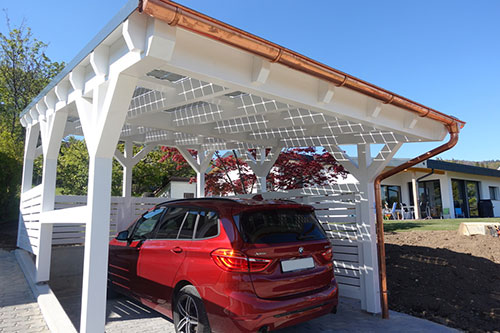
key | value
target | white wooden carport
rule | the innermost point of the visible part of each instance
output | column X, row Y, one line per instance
column 162, row 74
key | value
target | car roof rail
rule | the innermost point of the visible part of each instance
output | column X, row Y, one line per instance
column 197, row 199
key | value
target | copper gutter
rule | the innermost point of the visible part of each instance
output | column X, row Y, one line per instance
column 453, row 130
column 178, row 15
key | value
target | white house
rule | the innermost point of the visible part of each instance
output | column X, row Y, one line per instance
column 445, row 189
column 179, row 188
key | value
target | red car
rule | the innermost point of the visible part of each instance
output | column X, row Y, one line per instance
column 226, row 265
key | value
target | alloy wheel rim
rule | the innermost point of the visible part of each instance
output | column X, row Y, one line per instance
column 188, row 312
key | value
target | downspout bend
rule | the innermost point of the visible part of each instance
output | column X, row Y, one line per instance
column 453, row 131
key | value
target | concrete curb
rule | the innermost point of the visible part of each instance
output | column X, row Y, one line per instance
column 51, row 309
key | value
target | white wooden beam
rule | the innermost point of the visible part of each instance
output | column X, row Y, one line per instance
column 343, row 158
column 61, row 90
column 325, row 92
column 143, row 152
column 260, row 70
column 411, row 121
column 134, row 32
column 102, row 119
column 262, row 164
column 77, row 78
column 50, row 101
column 161, row 39
column 34, row 114
column 32, row 134
column 51, row 130
column 200, row 165
column 223, row 65
column 99, row 60
column 42, row 109
column 73, row 215
column 373, row 108
column 383, row 158
column 127, row 161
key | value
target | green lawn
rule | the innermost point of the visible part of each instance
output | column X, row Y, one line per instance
column 434, row 224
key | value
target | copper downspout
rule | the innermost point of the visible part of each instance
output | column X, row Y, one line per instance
column 453, row 130
column 178, row 15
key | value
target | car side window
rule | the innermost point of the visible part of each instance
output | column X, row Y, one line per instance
column 187, row 228
column 171, row 223
column 147, row 223
column 208, row 225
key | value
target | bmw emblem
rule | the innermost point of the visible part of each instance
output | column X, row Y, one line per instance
column 301, row 250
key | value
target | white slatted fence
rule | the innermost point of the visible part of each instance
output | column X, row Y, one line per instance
column 29, row 224
column 123, row 212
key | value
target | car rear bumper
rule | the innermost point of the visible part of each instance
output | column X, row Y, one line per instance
column 248, row 313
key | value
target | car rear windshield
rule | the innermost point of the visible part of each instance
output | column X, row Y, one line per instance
column 279, row 226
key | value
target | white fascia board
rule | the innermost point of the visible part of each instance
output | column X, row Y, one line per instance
column 114, row 24
column 204, row 59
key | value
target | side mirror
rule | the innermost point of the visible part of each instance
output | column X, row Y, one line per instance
column 122, row 235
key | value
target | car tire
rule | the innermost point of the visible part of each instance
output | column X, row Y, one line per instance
column 189, row 312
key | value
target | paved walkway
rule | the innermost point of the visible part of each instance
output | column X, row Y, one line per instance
column 127, row 315
column 19, row 311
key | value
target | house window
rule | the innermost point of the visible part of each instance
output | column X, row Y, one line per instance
column 493, row 193
column 188, row 195
column 465, row 197
column 390, row 194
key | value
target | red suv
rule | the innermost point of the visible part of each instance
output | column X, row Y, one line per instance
column 227, row 265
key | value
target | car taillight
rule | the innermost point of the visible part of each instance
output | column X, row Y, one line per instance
column 236, row 261
column 328, row 255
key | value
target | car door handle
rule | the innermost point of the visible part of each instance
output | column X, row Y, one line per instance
column 177, row 249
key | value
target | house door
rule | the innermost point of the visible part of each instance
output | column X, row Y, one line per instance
column 473, row 198
column 430, row 199
column 465, row 197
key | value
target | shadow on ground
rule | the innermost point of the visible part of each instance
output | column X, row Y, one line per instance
column 455, row 289
column 119, row 309
column 8, row 234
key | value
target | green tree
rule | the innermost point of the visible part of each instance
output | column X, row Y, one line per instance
column 73, row 169
column 149, row 175
column 25, row 70
column 11, row 160
column 153, row 173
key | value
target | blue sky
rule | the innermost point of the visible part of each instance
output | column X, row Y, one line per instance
column 444, row 54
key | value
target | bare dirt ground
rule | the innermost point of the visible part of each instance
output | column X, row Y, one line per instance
column 444, row 277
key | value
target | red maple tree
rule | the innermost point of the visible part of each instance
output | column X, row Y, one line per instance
column 295, row 168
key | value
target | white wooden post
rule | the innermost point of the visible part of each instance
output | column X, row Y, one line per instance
column 128, row 160
column 32, row 134
column 414, row 187
column 366, row 170
column 102, row 119
column 52, row 131
column 127, row 170
column 200, row 165
column 200, row 184
column 261, row 164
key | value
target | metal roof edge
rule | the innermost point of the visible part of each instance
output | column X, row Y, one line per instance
column 121, row 16
column 456, row 167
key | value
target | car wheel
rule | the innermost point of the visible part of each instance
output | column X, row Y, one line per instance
column 189, row 313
